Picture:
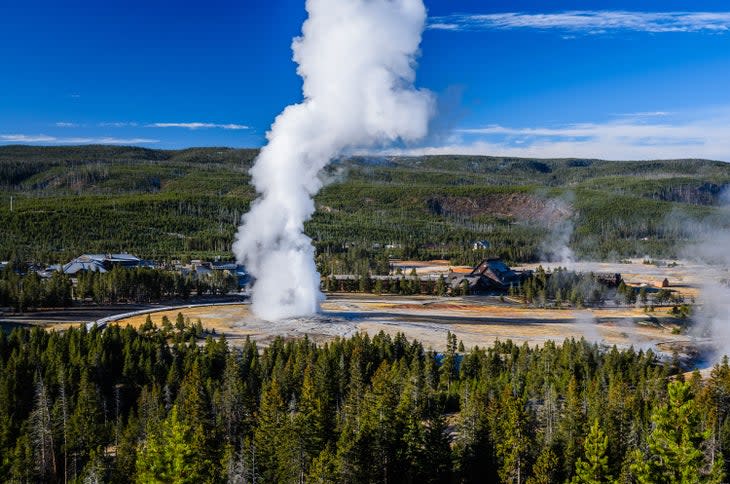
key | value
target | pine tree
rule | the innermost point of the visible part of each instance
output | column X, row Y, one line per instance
column 440, row 288
column 380, row 424
column 194, row 410
column 166, row 324
column 435, row 463
column 171, row 455
column 272, row 433
column 85, row 430
column 63, row 416
column 307, row 425
column 378, row 289
column 312, row 407
column 594, row 469
column 180, row 322
column 231, row 404
column 571, row 426
column 364, row 283
column 42, row 433
column 95, row 471
column 473, row 446
column 715, row 398
column 512, row 445
column 545, row 470
column 21, row 461
column 148, row 324
column 674, row 454
column 324, row 469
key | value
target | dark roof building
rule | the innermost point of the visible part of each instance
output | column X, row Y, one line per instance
column 490, row 275
column 481, row 244
column 103, row 263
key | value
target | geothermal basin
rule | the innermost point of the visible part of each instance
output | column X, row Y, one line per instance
column 475, row 320
column 481, row 320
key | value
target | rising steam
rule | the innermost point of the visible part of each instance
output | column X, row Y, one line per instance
column 557, row 214
column 357, row 59
column 711, row 247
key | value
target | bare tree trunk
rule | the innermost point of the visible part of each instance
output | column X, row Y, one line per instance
column 117, row 415
column 64, row 422
column 42, row 432
column 253, row 463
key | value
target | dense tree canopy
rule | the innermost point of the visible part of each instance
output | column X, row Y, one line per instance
column 172, row 204
column 154, row 405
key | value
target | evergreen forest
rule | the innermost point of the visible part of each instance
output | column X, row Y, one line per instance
column 59, row 202
column 175, row 404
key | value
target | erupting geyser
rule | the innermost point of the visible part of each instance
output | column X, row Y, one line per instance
column 356, row 58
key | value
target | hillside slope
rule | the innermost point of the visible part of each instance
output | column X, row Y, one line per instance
column 178, row 203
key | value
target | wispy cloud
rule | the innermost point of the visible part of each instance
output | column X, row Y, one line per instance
column 25, row 138
column 64, row 124
column 645, row 114
column 589, row 21
column 103, row 140
column 622, row 139
column 197, row 125
column 119, row 124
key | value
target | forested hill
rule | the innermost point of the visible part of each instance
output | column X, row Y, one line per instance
column 179, row 203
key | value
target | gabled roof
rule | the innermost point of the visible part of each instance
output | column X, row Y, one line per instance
column 497, row 271
column 76, row 266
column 108, row 258
column 224, row 266
column 101, row 262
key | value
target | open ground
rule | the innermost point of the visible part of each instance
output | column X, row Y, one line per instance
column 476, row 321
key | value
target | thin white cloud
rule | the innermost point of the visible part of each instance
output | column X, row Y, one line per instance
column 24, row 138
column 645, row 114
column 108, row 140
column 103, row 140
column 622, row 139
column 118, row 124
column 589, row 21
column 63, row 124
column 622, row 129
column 197, row 125
column 444, row 25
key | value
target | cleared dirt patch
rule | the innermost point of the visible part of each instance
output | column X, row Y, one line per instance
column 518, row 206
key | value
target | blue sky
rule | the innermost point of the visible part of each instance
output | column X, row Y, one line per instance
column 623, row 80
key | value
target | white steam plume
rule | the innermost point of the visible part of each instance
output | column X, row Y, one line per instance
column 586, row 325
column 557, row 214
column 713, row 312
column 556, row 248
column 357, row 59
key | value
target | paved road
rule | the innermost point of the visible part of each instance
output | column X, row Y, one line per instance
column 93, row 313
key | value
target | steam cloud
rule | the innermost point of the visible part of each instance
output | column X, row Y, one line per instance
column 713, row 313
column 586, row 326
column 556, row 247
column 357, row 59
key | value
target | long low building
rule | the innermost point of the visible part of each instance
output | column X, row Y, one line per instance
column 200, row 268
column 491, row 275
column 102, row 263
